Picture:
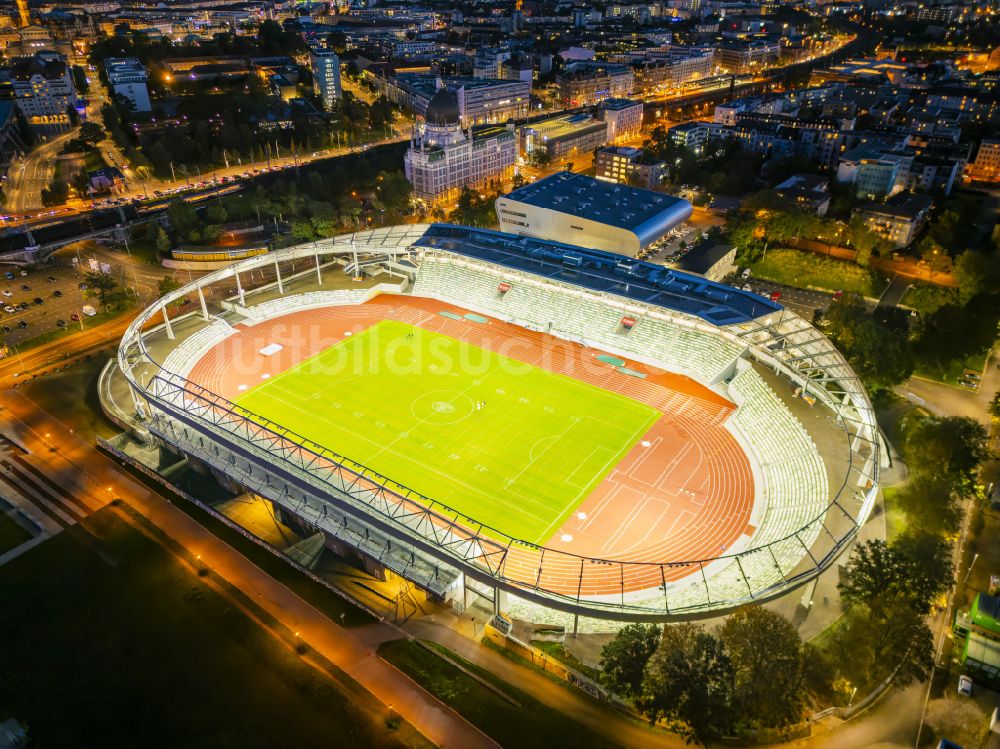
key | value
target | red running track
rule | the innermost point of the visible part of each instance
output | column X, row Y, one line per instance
column 685, row 492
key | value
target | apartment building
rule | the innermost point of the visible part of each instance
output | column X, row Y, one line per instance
column 586, row 83
column 898, row 220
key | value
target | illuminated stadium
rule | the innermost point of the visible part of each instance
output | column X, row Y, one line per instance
column 570, row 435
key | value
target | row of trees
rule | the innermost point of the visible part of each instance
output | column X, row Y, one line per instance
column 354, row 193
column 754, row 671
column 885, row 345
column 765, row 219
column 890, row 588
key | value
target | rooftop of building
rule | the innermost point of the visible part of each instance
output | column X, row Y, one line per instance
column 605, row 202
column 629, row 152
column 123, row 65
column 904, row 205
column 560, row 127
column 44, row 64
column 701, row 258
column 616, row 104
column 805, row 184
column 427, row 83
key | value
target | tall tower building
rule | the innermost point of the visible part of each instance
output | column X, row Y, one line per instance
column 326, row 75
column 22, row 11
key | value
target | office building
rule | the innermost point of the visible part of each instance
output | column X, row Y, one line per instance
column 562, row 138
column 127, row 78
column 623, row 118
column 625, row 166
column 443, row 157
column 480, row 100
column 587, row 212
column 585, row 83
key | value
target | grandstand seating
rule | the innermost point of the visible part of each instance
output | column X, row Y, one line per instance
column 309, row 300
column 183, row 358
column 576, row 315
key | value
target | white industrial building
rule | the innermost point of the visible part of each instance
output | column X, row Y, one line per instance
column 587, row 212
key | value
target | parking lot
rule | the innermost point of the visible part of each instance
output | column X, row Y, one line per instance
column 673, row 245
column 61, row 299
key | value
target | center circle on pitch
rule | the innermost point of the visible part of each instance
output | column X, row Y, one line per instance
column 442, row 407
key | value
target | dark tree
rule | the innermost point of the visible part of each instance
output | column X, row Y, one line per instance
column 766, row 653
column 950, row 447
column 688, row 683
column 623, row 660
column 877, row 348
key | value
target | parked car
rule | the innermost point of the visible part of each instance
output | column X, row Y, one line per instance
column 74, row 317
column 51, row 279
column 39, row 300
column 61, row 323
column 775, row 296
column 5, row 292
column 25, row 287
column 22, row 323
column 57, row 293
column 965, row 685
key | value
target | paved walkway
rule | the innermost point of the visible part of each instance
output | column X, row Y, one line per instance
column 97, row 478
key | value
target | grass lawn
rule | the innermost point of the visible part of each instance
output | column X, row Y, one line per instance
column 12, row 534
column 951, row 373
column 403, row 401
column 800, row 268
column 106, row 639
column 142, row 249
column 71, row 396
column 533, row 724
column 94, row 159
column 895, row 518
column 560, row 653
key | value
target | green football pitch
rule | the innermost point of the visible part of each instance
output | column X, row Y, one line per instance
column 508, row 444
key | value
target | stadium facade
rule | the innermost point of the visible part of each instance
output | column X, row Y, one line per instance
column 809, row 501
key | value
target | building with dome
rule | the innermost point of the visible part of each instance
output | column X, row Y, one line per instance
column 444, row 157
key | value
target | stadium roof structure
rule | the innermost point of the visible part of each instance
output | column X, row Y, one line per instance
column 602, row 271
column 435, row 546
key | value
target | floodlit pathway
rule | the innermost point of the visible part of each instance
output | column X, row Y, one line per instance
column 97, row 478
